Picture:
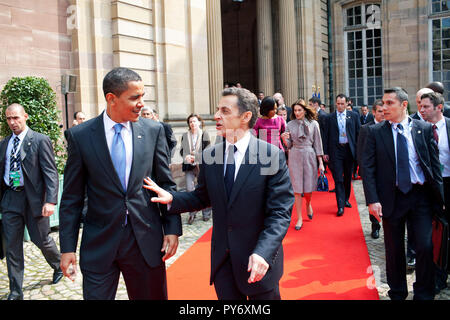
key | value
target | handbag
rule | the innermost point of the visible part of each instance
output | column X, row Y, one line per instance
column 440, row 241
column 322, row 182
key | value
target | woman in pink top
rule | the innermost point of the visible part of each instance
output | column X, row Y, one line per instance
column 270, row 126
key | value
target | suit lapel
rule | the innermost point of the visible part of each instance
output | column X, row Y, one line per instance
column 100, row 147
column 348, row 125
column 417, row 138
column 26, row 144
column 245, row 169
column 388, row 140
column 3, row 149
column 139, row 148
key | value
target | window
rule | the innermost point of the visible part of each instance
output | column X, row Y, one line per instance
column 440, row 45
column 438, row 6
column 364, row 54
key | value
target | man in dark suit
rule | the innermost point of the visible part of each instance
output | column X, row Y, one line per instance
column 339, row 144
column 378, row 116
column 366, row 116
column 403, row 183
column 29, row 193
column 147, row 112
column 247, row 251
column 432, row 106
column 439, row 88
column 123, row 231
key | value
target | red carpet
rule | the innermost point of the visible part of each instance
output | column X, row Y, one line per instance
column 326, row 260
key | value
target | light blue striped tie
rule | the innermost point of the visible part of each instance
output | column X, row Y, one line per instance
column 118, row 155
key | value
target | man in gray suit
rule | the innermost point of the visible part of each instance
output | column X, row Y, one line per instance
column 29, row 193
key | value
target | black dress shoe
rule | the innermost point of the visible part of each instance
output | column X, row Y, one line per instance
column 375, row 233
column 332, row 190
column 57, row 276
column 348, row 204
column 12, row 296
column 411, row 263
column 340, row 212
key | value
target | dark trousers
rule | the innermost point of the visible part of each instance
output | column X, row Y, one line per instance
column 15, row 216
column 142, row 281
column 414, row 208
column 227, row 289
column 341, row 168
column 442, row 275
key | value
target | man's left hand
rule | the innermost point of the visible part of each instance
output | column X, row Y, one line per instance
column 169, row 246
column 48, row 209
column 258, row 268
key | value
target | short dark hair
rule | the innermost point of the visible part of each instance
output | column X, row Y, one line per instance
column 247, row 101
column 315, row 100
column 435, row 97
column 116, row 80
column 342, row 96
column 376, row 104
column 267, row 105
column 401, row 93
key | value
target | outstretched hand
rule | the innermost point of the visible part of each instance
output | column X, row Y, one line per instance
column 163, row 196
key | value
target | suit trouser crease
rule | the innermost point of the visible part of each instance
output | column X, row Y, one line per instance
column 142, row 281
column 342, row 167
column 227, row 289
column 415, row 208
column 15, row 216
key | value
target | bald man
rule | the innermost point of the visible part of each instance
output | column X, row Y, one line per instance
column 28, row 193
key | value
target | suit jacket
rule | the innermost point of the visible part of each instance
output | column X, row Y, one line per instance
column 379, row 164
column 368, row 119
column 40, row 175
column 170, row 138
column 361, row 141
column 446, row 111
column 89, row 165
column 416, row 116
column 256, row 217
column 331, row 137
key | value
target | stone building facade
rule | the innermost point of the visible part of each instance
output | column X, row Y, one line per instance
column 185, row 50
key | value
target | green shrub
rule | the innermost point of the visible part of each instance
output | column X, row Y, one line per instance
column 39, row 101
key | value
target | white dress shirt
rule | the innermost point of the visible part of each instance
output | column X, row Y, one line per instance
column 415, row 171
column 444, row 151
column 127, row 137
column 8, row 155
column 242, row 146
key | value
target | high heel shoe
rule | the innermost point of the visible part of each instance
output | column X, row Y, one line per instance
column 298, row 227
column 310, row 215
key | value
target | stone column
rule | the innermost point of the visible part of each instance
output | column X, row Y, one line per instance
column 265, row 47
column 215, row 55
column 288, row 51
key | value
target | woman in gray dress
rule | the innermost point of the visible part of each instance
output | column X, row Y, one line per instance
column 302, row 138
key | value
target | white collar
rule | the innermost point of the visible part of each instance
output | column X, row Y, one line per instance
column 440, row 123
column 241, row 144
column 21, row 135
column 109, row 123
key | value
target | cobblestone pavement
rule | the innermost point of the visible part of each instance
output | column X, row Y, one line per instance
column 37, row 278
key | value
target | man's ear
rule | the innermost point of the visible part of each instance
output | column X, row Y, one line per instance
column 247, row 116
column 110, row 98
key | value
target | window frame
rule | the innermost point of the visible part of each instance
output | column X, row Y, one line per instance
column 363, row 28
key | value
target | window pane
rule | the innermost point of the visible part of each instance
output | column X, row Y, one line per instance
column 436, row 24
column 378, row 72
column 351, row 55
column 378, row 52
column 359, row 73
column 437, row 55
column 369, row 63
column 370, row 82
column 358, row 35
column 437, row 76
column 370, row 53
column 445, row 65
column 358, row 54
column 445, row 34
column 358, row 20
column 437, row 45
column 350, row 36
column 446, row 23
column 359, row 64
column 436, row 66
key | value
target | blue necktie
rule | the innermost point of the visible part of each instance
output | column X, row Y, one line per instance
column 403, row 175
column 118, row 155
column 230, row 170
